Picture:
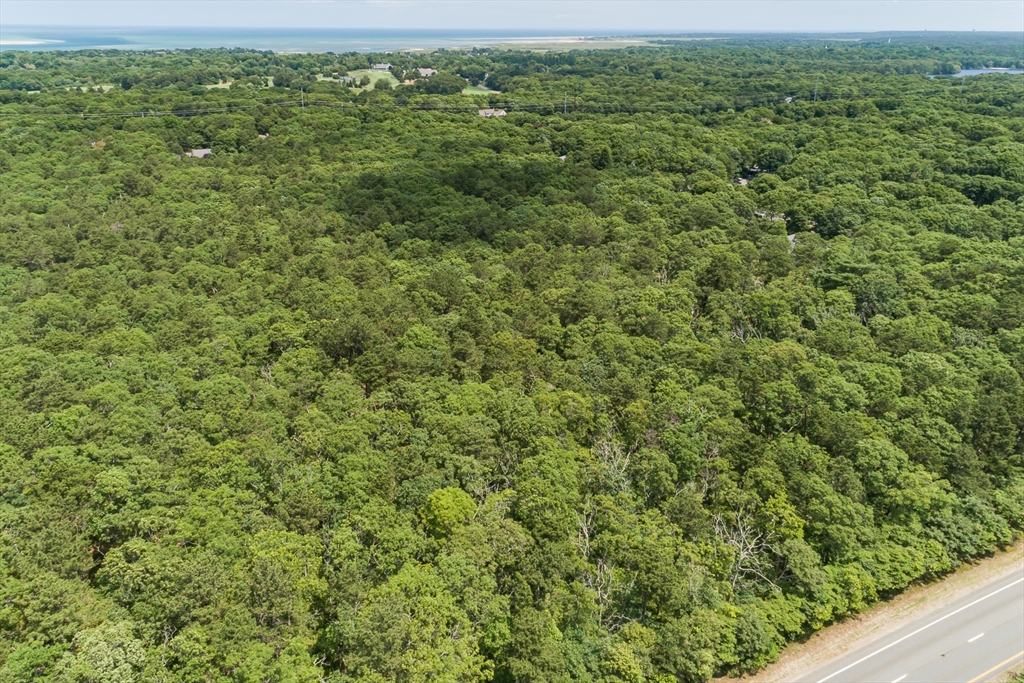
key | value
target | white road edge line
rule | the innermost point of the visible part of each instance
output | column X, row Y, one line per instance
column 975, row 638
column 900, row 678
column 909, row 635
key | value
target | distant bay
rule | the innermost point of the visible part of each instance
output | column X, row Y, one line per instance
column 977, row 72
column 339, row 40
column 273, row 39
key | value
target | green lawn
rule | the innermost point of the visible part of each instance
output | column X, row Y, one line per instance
column 477, row 90
column 374, row 76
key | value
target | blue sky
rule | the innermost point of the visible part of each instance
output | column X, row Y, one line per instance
column 547, row 15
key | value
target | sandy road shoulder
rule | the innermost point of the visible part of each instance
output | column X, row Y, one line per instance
column 800, row 659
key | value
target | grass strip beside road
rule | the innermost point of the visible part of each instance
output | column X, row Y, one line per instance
column 919, row 599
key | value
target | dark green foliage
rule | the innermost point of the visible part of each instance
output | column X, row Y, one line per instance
column 392, row 392
column 442, row 84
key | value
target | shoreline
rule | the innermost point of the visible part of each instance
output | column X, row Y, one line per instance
column 382, row 40
column 527, row 43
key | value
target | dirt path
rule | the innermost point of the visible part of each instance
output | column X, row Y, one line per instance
column 802, row 658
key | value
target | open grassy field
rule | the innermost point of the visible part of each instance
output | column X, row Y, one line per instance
column 374, row 76
column 477, row 90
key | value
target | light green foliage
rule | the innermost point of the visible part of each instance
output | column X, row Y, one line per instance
column 395, row 393
column 411, row 629
column 445, row 508
column 106, row 653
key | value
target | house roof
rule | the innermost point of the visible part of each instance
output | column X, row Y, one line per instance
column 199, row 153
column 492, row 112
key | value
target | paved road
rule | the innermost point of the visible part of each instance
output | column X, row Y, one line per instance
column 972, row 640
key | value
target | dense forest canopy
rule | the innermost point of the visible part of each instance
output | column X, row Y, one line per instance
column 698, row 349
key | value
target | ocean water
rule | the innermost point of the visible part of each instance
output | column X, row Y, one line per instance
column 974, row 72
column 277, row 40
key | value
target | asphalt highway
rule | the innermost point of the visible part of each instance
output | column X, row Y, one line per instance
column 972, row 640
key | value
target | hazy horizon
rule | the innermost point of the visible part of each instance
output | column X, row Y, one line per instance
column 340, row 40
column 581, row 31
column 558, row 16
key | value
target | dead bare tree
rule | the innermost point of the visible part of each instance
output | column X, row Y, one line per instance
column 609, row 590
column 744, row 331
column 752, row 547
column 616, row 460
column 585, row 530
column 708, row 474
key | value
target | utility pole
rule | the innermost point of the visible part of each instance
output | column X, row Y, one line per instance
column 815, row 88
column 565, row 103
column 302, row 98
